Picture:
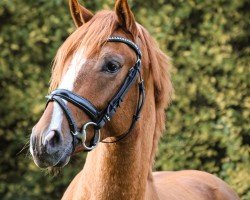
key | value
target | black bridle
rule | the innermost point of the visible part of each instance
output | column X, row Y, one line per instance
column 100, row 118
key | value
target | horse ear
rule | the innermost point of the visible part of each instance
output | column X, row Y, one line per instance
column 125, row 16
column 79, row 14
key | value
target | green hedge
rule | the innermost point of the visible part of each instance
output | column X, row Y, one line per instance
column 208, row 122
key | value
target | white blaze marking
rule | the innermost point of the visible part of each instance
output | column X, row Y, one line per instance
column 67, row 83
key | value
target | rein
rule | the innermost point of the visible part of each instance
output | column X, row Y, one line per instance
column 100, row 118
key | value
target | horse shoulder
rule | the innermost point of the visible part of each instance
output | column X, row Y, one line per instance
column 192, row 185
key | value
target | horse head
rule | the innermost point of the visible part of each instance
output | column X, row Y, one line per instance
column 91, row 82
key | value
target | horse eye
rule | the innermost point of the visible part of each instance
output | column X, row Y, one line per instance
column 111, row 67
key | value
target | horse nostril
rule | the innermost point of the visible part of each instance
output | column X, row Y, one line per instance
column 52, row 139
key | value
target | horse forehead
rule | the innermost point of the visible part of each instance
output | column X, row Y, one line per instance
column 75, row 65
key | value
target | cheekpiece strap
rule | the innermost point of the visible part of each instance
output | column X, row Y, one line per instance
column 100, row 118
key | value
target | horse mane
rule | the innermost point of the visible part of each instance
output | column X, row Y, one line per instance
column 159, row 67
column 94, row 34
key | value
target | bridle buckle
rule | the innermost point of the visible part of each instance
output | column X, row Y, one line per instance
column 100, row 118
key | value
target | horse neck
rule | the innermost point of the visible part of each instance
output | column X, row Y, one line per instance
column 122, row 170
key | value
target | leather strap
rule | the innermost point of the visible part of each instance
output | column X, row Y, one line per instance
column 67, row 112
column 78, row 101
column 127, row 42
column 100, row 118
column 136, row 116
column 118, row 98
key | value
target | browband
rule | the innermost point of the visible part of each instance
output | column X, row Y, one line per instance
column 100, row 118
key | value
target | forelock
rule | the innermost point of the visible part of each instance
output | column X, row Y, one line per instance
column 90, row 36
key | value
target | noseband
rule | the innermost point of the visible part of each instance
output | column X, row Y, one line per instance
column 100, row 118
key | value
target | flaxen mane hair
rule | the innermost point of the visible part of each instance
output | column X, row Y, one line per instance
column 93, row 35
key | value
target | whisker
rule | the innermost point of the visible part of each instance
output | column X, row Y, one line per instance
column 27, row 144
column 28, row 155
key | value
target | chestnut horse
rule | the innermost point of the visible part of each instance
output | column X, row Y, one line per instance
column 89, row 71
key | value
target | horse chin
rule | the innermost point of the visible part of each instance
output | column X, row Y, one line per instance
column 56, row 169
column 57, row 160
column 63, row 161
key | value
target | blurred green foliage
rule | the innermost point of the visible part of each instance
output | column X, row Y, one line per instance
column 208, row 122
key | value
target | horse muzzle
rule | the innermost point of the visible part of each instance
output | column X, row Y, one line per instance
column 50, row 150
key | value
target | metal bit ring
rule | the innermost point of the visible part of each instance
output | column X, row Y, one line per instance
column 96, row 139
